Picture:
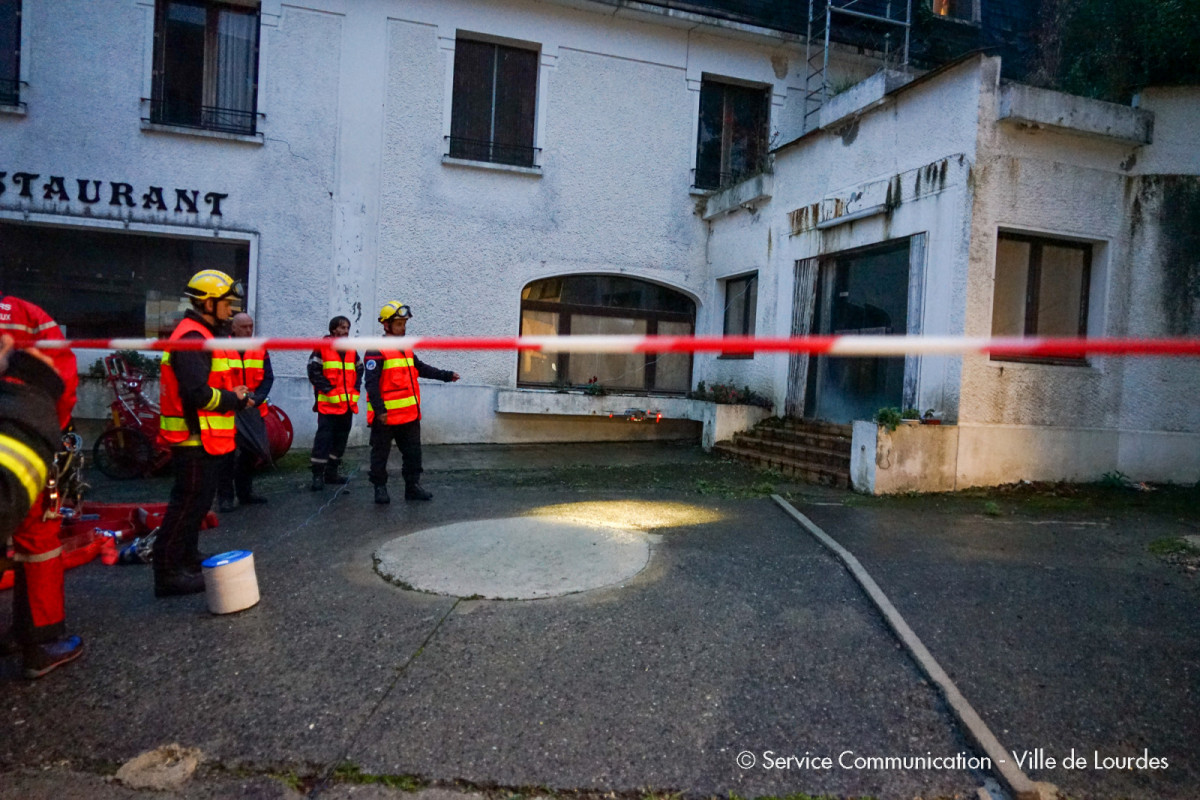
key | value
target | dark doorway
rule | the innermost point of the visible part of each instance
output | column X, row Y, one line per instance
column 865, row 293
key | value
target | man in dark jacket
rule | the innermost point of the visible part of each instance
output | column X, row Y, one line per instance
column 336, row 376
column 395, row 412
column 198, row 400
column 237, row 478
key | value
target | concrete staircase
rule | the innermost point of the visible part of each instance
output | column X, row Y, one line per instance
column 814, row 452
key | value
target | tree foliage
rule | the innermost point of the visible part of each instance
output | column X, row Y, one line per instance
column 1110, row 49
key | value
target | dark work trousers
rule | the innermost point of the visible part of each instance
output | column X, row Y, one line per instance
column 408, row 440
column 178, row 541
column 237, row 474
column 329, row 445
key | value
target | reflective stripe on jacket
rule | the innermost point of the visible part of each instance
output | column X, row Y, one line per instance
column 338, row 368
column 216, row 428
column 399, row 387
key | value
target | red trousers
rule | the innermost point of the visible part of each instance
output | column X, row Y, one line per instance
column 38, row 609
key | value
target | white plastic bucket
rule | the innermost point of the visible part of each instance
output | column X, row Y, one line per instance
column 229, row 581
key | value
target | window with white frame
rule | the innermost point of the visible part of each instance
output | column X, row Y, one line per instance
column 573, row 305
column 492, row 112
column 10, row 52
column 206, row 65
column 121, row 284
column 732, row 138
column 1041, row 287
column 741, row 307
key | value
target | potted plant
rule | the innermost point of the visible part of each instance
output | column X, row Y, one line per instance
column 931, row 417
column 910, row 416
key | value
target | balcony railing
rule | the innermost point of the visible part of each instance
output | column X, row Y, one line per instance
column 10, row 92
column 713, row 180
column 492, row 152
column 209, row 118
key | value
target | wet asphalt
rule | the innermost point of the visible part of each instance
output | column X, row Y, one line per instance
column 742, row 636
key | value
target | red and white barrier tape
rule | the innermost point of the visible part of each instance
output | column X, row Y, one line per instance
column 818, row 345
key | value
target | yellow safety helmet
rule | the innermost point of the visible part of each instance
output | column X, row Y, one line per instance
column 394, row 309
column 212, row 284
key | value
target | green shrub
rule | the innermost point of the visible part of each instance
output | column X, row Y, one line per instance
column 888, row 418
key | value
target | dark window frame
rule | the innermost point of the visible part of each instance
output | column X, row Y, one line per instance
column 710, row 176
column 749, row 298
column 165, row 110
column 652, row 317
column 508, row 75
column 1033, row 272
column 10, row 85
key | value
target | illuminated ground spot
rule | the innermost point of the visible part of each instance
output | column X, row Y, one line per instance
column 520, row 558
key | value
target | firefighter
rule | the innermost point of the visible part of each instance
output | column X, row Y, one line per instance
column 237, row 478
column 39, row 612
column 394, row 414
column 336, row 377
column 198, row 400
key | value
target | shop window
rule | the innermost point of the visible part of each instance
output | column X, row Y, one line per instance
column 492, row 111
column 1041, row 288
column 206, row 65
column 741, row 307
column 575, row 305
column 122, row 285
column 732, row 133
column 10, row 52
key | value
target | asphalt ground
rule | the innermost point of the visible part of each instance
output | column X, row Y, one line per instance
column 742, row 635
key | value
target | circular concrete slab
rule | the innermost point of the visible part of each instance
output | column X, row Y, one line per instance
column 520, row 558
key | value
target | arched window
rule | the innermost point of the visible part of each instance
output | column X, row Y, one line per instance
column 606, row 305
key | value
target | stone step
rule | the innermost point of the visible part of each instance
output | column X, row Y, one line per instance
column 833, row 442
column 808, row 425
column 792, row 467
column 835, row 457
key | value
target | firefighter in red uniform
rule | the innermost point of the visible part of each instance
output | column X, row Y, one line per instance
column 335, row 376
column 39, row 616
column 237, row 478
column 198, row 400
column 395, row 406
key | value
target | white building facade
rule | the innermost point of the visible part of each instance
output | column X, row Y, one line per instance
column 549, row 167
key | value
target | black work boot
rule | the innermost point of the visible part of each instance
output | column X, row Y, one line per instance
column 43, row 658
column 174, row 582
column 331, row 474
column 318, row 480
column 414, row 491
column 381, row 495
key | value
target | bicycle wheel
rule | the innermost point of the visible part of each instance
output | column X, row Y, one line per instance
column 123, row 453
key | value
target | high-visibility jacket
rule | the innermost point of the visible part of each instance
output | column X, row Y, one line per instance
column 399, row 387
column 249, row 366
column 29, row 324
column 216, row 428
column 338, row 369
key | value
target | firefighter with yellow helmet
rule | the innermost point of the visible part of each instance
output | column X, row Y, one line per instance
column 198, row 402
column 394, row 414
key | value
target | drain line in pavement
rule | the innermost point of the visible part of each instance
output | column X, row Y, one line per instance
column 403, row 668
column 1007, row 771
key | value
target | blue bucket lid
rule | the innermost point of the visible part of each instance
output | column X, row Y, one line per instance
column 221, row 559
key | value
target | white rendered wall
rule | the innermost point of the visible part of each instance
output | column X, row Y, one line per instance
column 914, row 130
column 344, row 198
column 1056, row 422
